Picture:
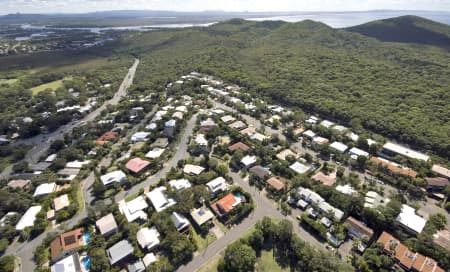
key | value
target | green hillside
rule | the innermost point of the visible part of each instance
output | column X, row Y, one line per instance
column 407, row 29
column 398, row 90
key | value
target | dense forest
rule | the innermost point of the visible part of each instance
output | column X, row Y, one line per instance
column 400, row 90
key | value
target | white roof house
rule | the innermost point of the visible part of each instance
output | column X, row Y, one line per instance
column 309, row 133
column 326, row 123
column 170, row 123
column 218, row 112
column 140, row 137
column 151, row 126
column 181, row 108
column 51, row 158
column 440, row 170
column 217, row 185
column 70, row 263
column 179, row 221
column 207, row 123
column 133, row 209
column 28, row 218
column 180, row 184
column 326, row 207
column 373, row 199
column 248, row 160
column 355, row 152
column 409, row 219
column 354, row 137
column 61, row 202
column 77, row 164
column 44, row 189
column 258, row 136
column 340, row 129
column 115, row 176
column 309, row 195
column 148, row 238
column 192, row 169
column 119, row 251
column 155, row 153
column 371, row 142
column 178, row 115
column 401, row 150
column 107, row 224
column 159, row 200
column 201, row 140
column 338, row 146
column 201, row 215
column 345, row 189
column 227, row 118
column 299, row 168
column 149, row 259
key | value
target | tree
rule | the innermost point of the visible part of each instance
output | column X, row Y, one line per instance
column 178, row 248
column 239, row 257
column 99, row 261
column 361, row 162
column 7, row 263
column 256, row 239
column 98, row 188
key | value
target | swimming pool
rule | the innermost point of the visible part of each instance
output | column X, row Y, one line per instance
column 86, row 238
column 86, row 263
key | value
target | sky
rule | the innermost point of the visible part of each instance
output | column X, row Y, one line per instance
column 79, row 6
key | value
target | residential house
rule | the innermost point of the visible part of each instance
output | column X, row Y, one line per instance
column 77, row 164
column 137, row 165
column 227, row 119
column 318, row 141
column 180, row 184
column 394, row 167
column 193, row 170
column 373, row 200
column 248, row 161
column 66, row 243
column 410, row 221
column 160, row 142
column 201, row 140
column 39, row 167
column 159, row 199
column 139, row 137
column 260, row 171
column 107, row 225
column 258, row 137
column 286, row 153
column 217, row 185
column 394, row 149
column 340, row 129
column 51, row 158
column 436, row 184
column 309, row 196
column 346, row 189
column 181, row 223
column 61, row 202
column 107, row 137
column 309, row 134
column 119, row 251
column 442, row 238
column 169, row 128
column 70, row 263
column 202, row 216
column 441, row 171
column 248, row 131
column 178, row 115
column 237, row 125
column 44, row 189
column 134, row 209
column 339, row 147
column 18, row 183
column 149, row 259
column 28, row 218
column 207, row 125
column 325, row 207
column 357, row 229
column 148, row 238
column 327, row 180
column 299, row 168
column 225, row 205
column 112, row 177
column 326, row 123
column 276, row 184
column 355, row 152
column 239, row 146
column 137, row 266
column 155, row 153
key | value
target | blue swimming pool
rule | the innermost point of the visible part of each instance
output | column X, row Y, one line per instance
column 86, row 263
column 86, row 238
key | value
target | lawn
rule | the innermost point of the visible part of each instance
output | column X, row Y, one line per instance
column 211, row 265
column 267, row 263
column 51, row 85
column 8, row 81
column 201, row 242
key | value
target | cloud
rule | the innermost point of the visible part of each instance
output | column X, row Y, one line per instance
column 52, row 6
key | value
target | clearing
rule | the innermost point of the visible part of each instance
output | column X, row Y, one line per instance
column 51, row 85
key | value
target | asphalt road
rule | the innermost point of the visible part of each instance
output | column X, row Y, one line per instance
column 40, row 143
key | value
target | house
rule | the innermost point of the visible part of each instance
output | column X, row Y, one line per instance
column 193, row 170
column 223, row 140
column 260, row 171
column 28, row 218
column 107, row 225
column 309, row 134
column 44, row 189
column 70, row 263
column 258, row 137
column 119, row 251
column 137, row 165
column 41, row 166
column 180, row 184
column 159, row 199
column 317, row 141
column 6, row 219
column 326, row 123
column 160, row 142
column 66, row 243
column 217, row 185
column 181, row 108
column 394, row 167
column 227, row 119
column 339, row 147
column 340, row 129
column 151, row 126
column 346, row 189
column 442, row 238
column 248, row 131
column 134, row 209
column 155, row 153
column 169, row 127
column 201, row 140
column 239, row 146
column 410, row 221
column 352, row 136
column 276, row 184
column 299, row 168
column 327, row 180
column 302, row 204
column 392, row 149
column 219, row 112
column 357, row 229
column 326, row 222
column 149, row 259
column 286, row 153
column 325, row 207
column 107, row 137
column 408, row 260
column 137, row 266
column 201, row 216
column 225, row 205
column 61, row 202
column 355, row 152
column 237, row 125
column 112, row 177
column 139, row 137
column 441, row 171
column 148, row 238
column 18, row 183
column 181, row 223
column 51, row 158
column 373, row 200
column 77, row 164
column 436, row 184
column 248, row 161
column 309, row 195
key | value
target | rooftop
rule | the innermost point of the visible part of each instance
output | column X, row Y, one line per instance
column 159, row 199
column 106, row 224
column 136, row 165
column 285, row 153
column 179, row 221
column 148, row 237
column 192, row 169
column 299, row 168
column 134, row 209
column 27, row 220
column 248, row 160
column 276, row 183
column 409, row 219
column 119, row 251
column 339, row 146
column 239, row 145
column 180, row 184
column 201, row 215
column 394, row 167
column 260, row 171
column 328, row 180
column 440, row 170
column 45, row 189
column 225, row 205
column 66, row 241
column 155, row 153
column 404, row 151
column 217, row 184
column 61, row 202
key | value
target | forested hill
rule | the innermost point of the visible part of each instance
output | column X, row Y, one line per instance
column 407, row 29
column 398, row 90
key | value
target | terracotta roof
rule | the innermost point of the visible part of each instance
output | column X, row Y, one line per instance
column 275, row 183
column 66, row 241
column 136, row 165
column 359, row 226
column 107, row 136
column 225, row 205
column 328, row 180
column 394, row 168
column 240, row 146
column 18, row 183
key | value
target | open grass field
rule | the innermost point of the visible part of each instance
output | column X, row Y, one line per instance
column 51, row 85
column 203, row 242
column 267, row 263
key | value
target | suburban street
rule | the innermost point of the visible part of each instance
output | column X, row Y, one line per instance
column 40, row 143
